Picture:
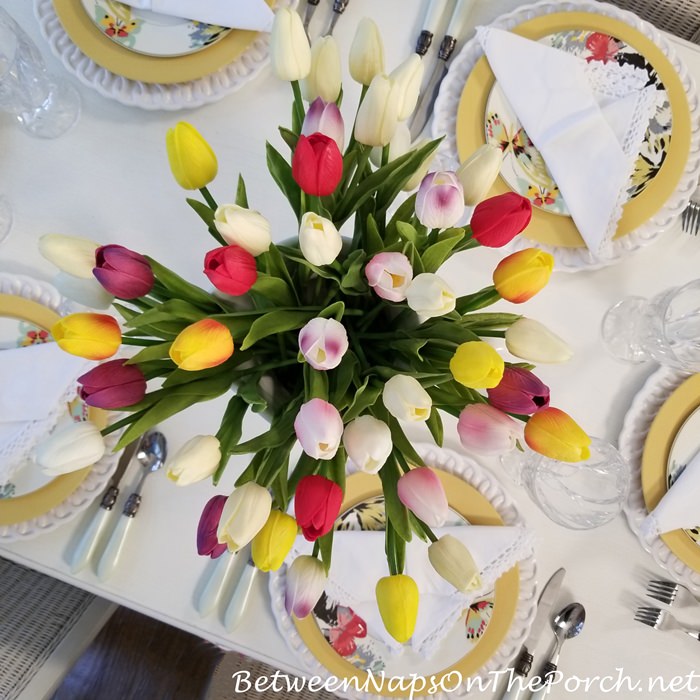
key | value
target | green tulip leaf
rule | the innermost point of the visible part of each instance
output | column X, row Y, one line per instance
column 241, row 194
column 396, row 512
column 434, row 424
column 182, row 289
column 341, row 379
column 335, row 310
column 272, row 291
column 152, row 352
column 275, row 322
column 365, row 397
column 206, row 214
column 249, row 473
column 407, row 231
column 354, row 280
column 315, row 383
column 281, row 172
column 325, row 544
column 488, row 321
column 478, row 300
column 436, row 254
column 289, row 137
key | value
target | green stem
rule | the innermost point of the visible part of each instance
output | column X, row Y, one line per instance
column 362, row 161
column 352, row 141
column 208, row 198
column 298, row 102
column 126, row 340
column 385, row 155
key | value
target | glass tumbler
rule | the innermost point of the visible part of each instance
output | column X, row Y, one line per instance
column 44, row 105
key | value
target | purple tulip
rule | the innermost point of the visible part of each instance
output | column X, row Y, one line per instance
column 122, row 272
column 112, row 384
column 207, row 543
column 325, row 118
column 440, row 200
column 520, row 391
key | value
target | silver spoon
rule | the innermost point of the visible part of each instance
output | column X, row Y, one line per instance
column 151, row 455
column 567, row 624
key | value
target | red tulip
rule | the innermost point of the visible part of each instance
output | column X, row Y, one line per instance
column 317, row 164
column 231, row 269
column 112, row 384
column 498, row 220
column 122, row 272
column 317, row 503
column 520, row 391
column 207, row 543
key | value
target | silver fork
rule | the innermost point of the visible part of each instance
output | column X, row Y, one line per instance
column 663, row 620
column 671, row 593
column 690, row 219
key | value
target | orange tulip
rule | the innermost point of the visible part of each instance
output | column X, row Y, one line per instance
column 92, row 336
column 556, row 434
column 518, row 277
column 206, row 343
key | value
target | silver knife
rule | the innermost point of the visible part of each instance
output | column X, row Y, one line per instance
column 338, row 9
column 311, row 6
column 447, row 46
column 523, row 663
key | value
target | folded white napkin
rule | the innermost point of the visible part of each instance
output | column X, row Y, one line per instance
column 680, row 505
column 587, row 119
column 36, row 382
column 359, row 561
column 241, row 14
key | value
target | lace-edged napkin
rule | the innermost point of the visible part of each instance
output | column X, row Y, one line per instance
column 587, row 119
column 36, row 382
column 359, row 561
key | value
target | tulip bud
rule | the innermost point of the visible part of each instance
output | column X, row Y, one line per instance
column 323, row 342
column 421, row 491
column 440, row 200
column 317, row 164
column 399, row 145
column 70, row 254
column 305, row 581
column 390, row 275
column 243, row 227
column 366, row 52
column 325, row 118
column 397, row 600
column 245, row 512
column 123, row 272
column 477, row 365
column 520, row 392
column 272, row 544
column 429, row 295
column 556, row 435
column 70, row 447
column 92, row 336
column 324, row 79
column 112, row 384
column 478, row 173
column 196, row 460
column 408, row 77
column 498, row 220
column 406, row 399
column 319, row 240
column 378, row 115
column 532, row 341
column 319, row 428
column 367, row 440
column 206, row 343
column 290, row 53
column 207, row 543
column 486, row 430
column 454, row 562
column 231, row 269
column 192, row 160
column 317, row 502
column 519, row 276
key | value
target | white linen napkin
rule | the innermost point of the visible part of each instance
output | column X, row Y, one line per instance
column 587, row 119
column 359, row 561
column 680, row 506
column 36, row 382
column 239, row 14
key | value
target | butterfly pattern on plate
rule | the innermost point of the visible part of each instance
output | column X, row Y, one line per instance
column 478, row 618
column 205, row 34
column 29, row 334
column 117, row 22
column 674, row 471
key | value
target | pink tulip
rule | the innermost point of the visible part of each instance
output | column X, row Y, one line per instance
column 389, row 274
column 421, row 491
column 319, row 428
column 323, row 342
column 305, row 581
column 207, row 543
column 484, row 429
column 325, row 118
column 440, row 200
column 519, row 391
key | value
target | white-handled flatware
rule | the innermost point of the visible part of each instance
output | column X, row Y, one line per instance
column 239, row 597
column 211, row 591
column 436, row 9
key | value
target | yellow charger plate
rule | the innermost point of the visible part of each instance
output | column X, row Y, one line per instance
column 552, row 229
column 469, row 503
column 52, row 494
column 657, row 448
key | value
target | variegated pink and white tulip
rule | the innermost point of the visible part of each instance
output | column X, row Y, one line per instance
column 389, row 274
column 421, row 491
column 319, row 428
column 305, row 581
column 486, row 430
column 367, row 441
column 325, row 118
column 323, row 342
column 440, row 200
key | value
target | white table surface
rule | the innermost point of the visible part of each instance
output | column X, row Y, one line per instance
column 108, row 179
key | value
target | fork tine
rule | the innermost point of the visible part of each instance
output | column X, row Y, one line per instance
column 663, row 582
column 666, row 590
column 661, row 597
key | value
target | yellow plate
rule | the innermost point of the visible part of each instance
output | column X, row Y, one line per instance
column 42, row 500
column 555, row 230
column 148, row 69
column 657, row 447
column 468, row 502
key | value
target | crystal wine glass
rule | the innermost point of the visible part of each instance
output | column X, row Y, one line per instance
column 5, row 217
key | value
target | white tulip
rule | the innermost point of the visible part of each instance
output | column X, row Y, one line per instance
column 406, row 399
column 305, row 581
column 243, row 227
column 70, row 447
column 408, row 78
column 378, row 115
column 429, row 295
column 324, row 79
column 70, row 254
column 454, row 562
column 290, row 53
column 197, row 459
column 367, row 441
column 319, row 240
column 479, row 172
column 366, row 52
column 531, row 340
column 399, row 145
column 245, row 512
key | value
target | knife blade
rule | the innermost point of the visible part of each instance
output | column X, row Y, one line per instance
column 311, row 6
column 338, row 9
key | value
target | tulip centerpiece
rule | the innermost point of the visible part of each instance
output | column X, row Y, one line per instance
column 341, row 341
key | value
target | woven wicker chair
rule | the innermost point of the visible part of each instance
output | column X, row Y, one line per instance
column 679, row 17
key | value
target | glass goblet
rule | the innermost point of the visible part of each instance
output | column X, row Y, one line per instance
column 5, row 217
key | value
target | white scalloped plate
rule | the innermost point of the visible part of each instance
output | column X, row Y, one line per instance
column 467, row 469
column 575, row 259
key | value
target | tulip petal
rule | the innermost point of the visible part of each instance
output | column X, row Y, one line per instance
column 553, row 433
column 206, row 343
column 421, row 491
column 486, row 430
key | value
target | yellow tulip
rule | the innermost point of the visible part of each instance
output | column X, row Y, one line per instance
column 191, row 158
column 272, row 544
column 92, row 336
column 397, row 599
column 518, row 277
column 477, row 365
column 206, row 343
column 555, row 434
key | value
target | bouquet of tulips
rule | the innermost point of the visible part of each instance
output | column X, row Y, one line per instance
column 341, row 341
